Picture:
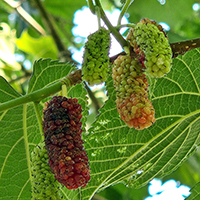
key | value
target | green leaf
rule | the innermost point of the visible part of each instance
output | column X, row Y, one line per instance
column 121, row 154
column 195, row 192
column 172, row 12
column 43, row 47
column 56, row 7
column 64, row 17
column 46, row 72
column 7, row 91
column 20, row 132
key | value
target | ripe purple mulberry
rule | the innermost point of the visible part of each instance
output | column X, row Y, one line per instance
column 62, row 130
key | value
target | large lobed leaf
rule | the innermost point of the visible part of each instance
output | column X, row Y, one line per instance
column 47, row 72
column 121, row 154
column 116, row 153
column 19, row 130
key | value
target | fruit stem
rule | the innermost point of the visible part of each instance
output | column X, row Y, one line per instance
column 91, row 6
column 123, row 10
column 39, row 118
column 113, row 30
column 118, row 27
column 97, row 11
column 64, row 90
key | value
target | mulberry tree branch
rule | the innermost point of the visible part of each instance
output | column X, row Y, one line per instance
column 36, row 96
column 113, row 30
column 50, row 23
column 180, row 48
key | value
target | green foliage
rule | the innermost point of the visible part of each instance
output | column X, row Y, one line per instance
column 172, row 9
column 63, row 12
column 20, row 129
column 195, row 194
column 43, row 47
column 117, row 154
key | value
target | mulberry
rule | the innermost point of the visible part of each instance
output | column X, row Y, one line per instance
column 95, row 58
column 151, row 44
column 131, row 88
column 43, row 182
column 62, row 130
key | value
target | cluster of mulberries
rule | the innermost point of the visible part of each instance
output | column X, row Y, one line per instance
column 43, row 182
column 62, row 130
column 131, row 86
column 151, row 44
column 95, row 58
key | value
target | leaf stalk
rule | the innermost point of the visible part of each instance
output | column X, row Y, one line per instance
column 113, row 30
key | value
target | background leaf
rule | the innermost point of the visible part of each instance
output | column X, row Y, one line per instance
column 64, row 17
column 175, row 13
column 172, row 12
column 43, row 47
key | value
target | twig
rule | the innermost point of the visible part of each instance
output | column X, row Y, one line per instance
column 124, row 9
column 92, row 97
column 38, row 95
column 49, row 21
column 91, row 6
column 180, row 48
column 27, row 75
column 25, row 16
column 114, row 31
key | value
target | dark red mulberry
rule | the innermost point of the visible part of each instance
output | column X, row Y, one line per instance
column 62, row 130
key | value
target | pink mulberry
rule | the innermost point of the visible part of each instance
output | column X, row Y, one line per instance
column 131, row 85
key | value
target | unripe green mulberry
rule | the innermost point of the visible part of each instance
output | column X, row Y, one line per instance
column 95, row 58
column 152, row 46
column 44, row 185
column 128, row 77
column 131, row 85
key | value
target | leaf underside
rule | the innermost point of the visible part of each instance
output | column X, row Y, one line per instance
column 116, row 153
column 195, row 193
